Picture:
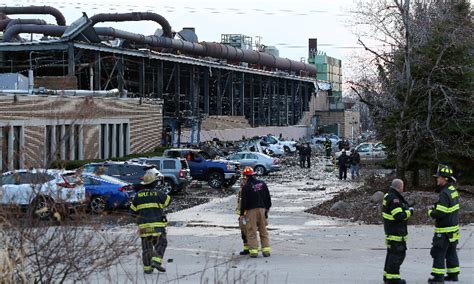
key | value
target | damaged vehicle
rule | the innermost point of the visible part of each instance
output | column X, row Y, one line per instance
column 42, row 192
column 217, row 173
column 262, row 164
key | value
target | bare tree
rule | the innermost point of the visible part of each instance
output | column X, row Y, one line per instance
column 407, row 81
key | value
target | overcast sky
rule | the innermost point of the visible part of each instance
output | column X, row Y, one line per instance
column 286, row 24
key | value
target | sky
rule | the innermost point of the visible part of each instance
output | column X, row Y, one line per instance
column 286, row 24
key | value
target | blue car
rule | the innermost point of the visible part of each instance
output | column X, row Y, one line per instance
column 106, row 192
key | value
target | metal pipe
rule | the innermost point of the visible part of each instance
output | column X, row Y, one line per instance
column 134, row 16
column 60, row 20
column 210, row 49
column 5, row 24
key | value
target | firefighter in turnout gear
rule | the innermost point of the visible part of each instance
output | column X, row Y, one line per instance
column 254, row 206
column 446, row 237
column 148, row 206
column 243, row 233
column 328, row 147
column 396, row 212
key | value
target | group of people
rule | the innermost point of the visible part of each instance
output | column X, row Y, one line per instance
column 351, row 161
column 304, row 152
column 396, row 212
column 254, row 203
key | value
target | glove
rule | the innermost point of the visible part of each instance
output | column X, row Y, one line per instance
column 412, row 210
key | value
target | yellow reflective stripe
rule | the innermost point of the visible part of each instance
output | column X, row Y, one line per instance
column 447, row 229
column 148, row 205
column 152, row 225
column 266, row 249
column 167, row 202
column 155, row 234
column 387, row 216
column 453, row 270
column 156, row 259
column 246, row 247
column 396, row 238
column 396, row 210
column 447, row 209
column 438, row 271
column 408, row 212
column 451, row 187
column 253, row 251
column 392, row 276
column 147, row 268
column 133, row 207
column 454, row 194
column 455, row 237
column 384, row 202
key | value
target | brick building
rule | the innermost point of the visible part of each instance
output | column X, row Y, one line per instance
column 35, row 130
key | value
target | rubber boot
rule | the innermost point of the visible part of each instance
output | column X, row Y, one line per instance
column 158, row 267
column 451, row 277
column 266, row 254
column 395, row 281
column 244, row 252
column 436, row 280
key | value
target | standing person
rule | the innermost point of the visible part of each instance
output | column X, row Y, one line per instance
column 342, row 162
column 254, row 207
column 301, row 154
column 148, row 206
column 308, row 155
column 354, row 159
column 328, row 147
column 395, row 215
column 243, row 233
column 446, row 237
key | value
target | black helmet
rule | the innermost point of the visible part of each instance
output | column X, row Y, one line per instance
column 444, row 171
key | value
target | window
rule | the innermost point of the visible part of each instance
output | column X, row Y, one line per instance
column 251, row 156
column 169, row 165
column 113, row 170
column 90, row 181
column 114, row 140
column 156, row 163
column 8, row 179
column 236, row 157
column 128, row 170
column 363, row 148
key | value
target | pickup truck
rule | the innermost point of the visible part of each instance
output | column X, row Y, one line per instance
column 217, row 173
column 369, row 152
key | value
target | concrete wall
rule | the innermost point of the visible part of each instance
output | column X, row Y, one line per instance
column 344, row 119
column 36, row 115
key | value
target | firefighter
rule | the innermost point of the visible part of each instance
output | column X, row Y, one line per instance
column 254, row 206
column 328, row 147
column 148, row 206
column 395, row 212
column 446, row 237
column 242, row 223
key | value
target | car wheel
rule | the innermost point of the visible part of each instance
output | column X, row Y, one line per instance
column 97, row 204
column 216, row 180
column 168, row 186
column 41, row 207
column 259, row 170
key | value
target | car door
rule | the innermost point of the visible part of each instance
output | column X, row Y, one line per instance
column 197, row 165
column 251, row 159
column 364, row 151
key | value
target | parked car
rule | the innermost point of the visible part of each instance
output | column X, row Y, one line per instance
column 176, row 172
column 41, row 191
column 288, row 146
column 321, row 138
column 262, row 164
column 369, row 152
column 129, row 172
column 106, row 192
column 217, row 173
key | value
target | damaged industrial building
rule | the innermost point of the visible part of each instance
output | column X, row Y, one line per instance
column 87, row 92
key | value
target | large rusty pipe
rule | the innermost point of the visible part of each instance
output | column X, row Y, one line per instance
column 33, row 10
column 134, row 16
column 210, row 49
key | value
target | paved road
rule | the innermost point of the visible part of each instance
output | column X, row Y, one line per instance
column 204, row 243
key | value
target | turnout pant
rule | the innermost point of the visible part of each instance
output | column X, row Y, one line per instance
column 396, row 252
column 243, row 234
column 328, row 152
column 256, row 221
column 153, row 250
column 445, row 257
column 302, row 159
column 308, row 160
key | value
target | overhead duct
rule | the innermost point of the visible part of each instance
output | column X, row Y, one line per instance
column 5, row 24
column 204, row 49
column 135, row 16
column 33, row 10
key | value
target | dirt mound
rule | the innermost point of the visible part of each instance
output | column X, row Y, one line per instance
column 362, row 209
